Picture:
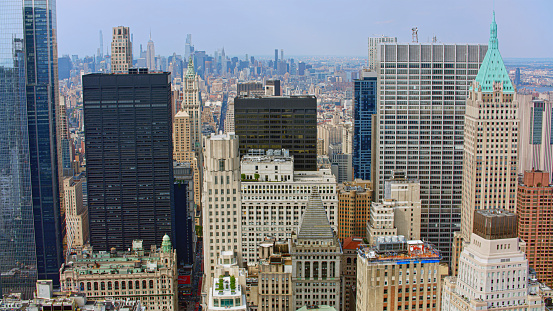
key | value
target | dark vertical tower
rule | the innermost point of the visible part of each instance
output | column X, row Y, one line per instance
column 287, row 122
column 42, row 109
column 129, row 155
column 276, row 59
column 363, row 110
column 18, row 271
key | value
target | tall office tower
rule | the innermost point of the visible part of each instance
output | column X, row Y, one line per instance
column 121, row 50
column 129, row 158
column 42, row 112
column 275, row 64
column 373, row 49
column 274, row 195
column 281, row 55
column 101, row 49
column 188, row 48
column 493, row 271
column 536, row 134
column 182, row 151
column 535, row 222
column 229, row 119
column 398, row 274
column 354, row 201
column 191, row 104
column 17, row 246
column 421, row 108
column 76, row 213
column 151, row 55
column 491, row 139
column 185, row 212
column 517, row 76
column 64, row 142
column 364, row 108
column 221, row 212
column 316, row 257
column 288, row 122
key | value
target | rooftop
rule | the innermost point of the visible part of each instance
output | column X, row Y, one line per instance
column 352, row 242
column 397, row 250
column 314, row 222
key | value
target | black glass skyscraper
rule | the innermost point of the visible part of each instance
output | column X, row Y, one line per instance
column 30, row 235
column 364, row 108
column 279, row 122
column 129, row 158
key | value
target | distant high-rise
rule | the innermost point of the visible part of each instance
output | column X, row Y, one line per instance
column 129, row 158
column 364, row 108
column 276, row 59
column 188, row 48
column 191, row 104
column 182, row 150
column 517, row 76
column 101, row 48
column 279, row 123
column 121, row 50
column 536, row 134
column 151, row 55
column 490, row 155
column 373, row 43
column 420, row 117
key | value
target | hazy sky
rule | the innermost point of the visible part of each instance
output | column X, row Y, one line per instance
column 303, row 27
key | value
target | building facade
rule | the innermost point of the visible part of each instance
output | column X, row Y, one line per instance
column 421, row 107
column 364, row 109
column 76, row 213
column 150, row 277
column 535, row 222
column 228, row 288
column 349, row 272
column 221, row 201
column 279, row 123
column 121, row 50
column 275, row 287
column 274, row 197
column 182, row 149
column 396, row 274
column 129, row 158
column 493, row 270
column 536, row 135
column 316, row 256
column 373, row 50
column 491, row 139
column 354, row 201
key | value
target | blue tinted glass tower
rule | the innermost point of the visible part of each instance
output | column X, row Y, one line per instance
column 42, row 105
column 30, row 235
column 363, row 110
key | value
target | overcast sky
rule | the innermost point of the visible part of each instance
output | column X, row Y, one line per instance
column 304, row 27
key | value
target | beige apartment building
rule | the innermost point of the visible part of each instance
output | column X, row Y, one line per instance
column 76, row 213
column 121, row 50
column 150, row 277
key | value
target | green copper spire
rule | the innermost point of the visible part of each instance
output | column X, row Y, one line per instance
column 166, row 244
column 492, row 69
column 190, row 73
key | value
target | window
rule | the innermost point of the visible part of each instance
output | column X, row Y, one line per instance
column 221, row 165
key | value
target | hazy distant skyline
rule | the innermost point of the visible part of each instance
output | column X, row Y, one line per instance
column 323, row 27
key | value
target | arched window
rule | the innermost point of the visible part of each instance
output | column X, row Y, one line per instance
column 103, row 286
column 116, row 283
column 88, row 286
column 95, row 285
column 151, row 284
column 144, row 284
column 130, row 284
column 348, row 261
column 136, row 284
column 81, row 286
column 109, row 286
column 123, row 285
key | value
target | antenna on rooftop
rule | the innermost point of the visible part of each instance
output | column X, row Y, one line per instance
column 415, row 34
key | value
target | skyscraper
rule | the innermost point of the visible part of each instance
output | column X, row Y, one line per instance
column 373, row 44
column 536, row 134
column 121, row 50
column 42, row 111
column 151, row 55
column 491, row 139
column 364, row 108
column 188, row 47
column 276, row 59
column 221, row 207
column 287, row 122
column 420, row 114
column 17, row 244
column 127, row 121
column 191, row 104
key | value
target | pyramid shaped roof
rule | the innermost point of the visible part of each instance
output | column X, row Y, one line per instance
column 493, row 69
column 314, row 222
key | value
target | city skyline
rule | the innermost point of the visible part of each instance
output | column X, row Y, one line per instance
column 306, row 28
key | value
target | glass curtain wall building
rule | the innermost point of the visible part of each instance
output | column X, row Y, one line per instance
column 17, row 239
column 422, row 91
column 42, row 109
column 363, row 110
